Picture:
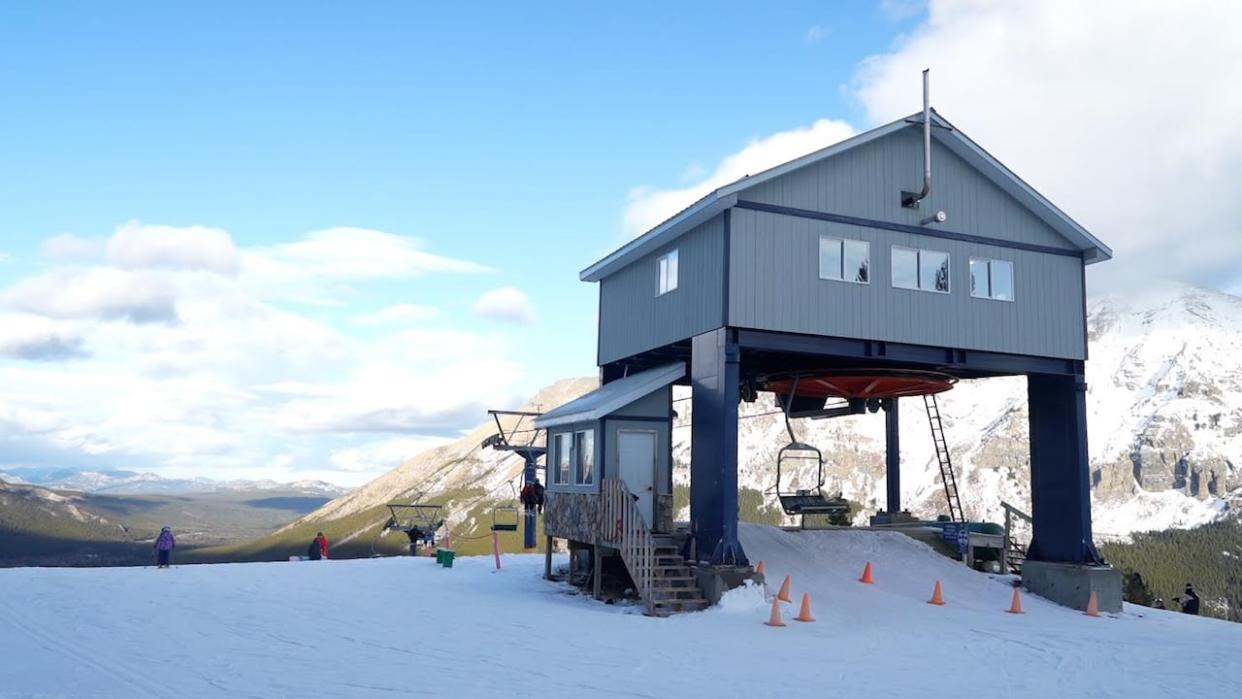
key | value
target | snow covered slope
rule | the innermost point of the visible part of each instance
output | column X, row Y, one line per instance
column 1165, row 402
column 403, row 626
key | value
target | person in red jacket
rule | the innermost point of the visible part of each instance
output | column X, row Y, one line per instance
column 323, row 545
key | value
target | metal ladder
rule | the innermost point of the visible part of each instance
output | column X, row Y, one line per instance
column 942, row 456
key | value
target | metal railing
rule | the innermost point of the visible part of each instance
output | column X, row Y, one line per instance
column 621, row 526
column 1012, row 553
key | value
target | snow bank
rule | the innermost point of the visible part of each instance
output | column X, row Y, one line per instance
column 407, row 627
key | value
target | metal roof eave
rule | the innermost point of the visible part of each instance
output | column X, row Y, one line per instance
column 693, row 215
column 1094, row 250
column 612, row 396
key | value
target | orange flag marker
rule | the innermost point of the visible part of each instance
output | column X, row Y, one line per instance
column 775, row 619
column 783, row 595
column 866, row 578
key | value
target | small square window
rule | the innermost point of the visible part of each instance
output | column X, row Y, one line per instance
column 844, row 259
column 666, row 273
column 991, row 279
column 926, row 270
column 564, row 457
column 584, row 450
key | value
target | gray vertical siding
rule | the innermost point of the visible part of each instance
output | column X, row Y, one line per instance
column 867, row 182
column 775, row 285
column 773, row 270
column 634, row 319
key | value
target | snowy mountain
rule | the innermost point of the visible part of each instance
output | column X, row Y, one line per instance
column 135, row 483
column 1165, row 432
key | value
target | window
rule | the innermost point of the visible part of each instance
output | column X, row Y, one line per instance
column 991, row 279
column 926, row 270
column 844, row 260
column 667, row 273
column 584, row 454
column 564, row 454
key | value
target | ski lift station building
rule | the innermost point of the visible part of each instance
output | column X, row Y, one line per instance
column 868, row 271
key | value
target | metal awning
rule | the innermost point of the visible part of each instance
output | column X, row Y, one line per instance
column 612, row 396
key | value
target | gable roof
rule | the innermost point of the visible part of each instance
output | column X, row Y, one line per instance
column 943, row 132
column 612, row 396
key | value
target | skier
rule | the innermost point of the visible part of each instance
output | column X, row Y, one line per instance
column 539, row 496
column 1189, row 600
column 528, row 497
column 323, row 545
column 314, row 551
column 164, row 545
column 416, row 535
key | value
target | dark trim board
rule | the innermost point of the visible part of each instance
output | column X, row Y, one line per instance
column 943, row 358
column 727, row 220
column 904, row 228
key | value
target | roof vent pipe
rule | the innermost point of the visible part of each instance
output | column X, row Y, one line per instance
column 911, row 200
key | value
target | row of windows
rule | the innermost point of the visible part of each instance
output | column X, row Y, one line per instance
column 574, row 458
column 846, row 260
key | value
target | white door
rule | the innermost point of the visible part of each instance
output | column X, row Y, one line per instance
column 636, row 451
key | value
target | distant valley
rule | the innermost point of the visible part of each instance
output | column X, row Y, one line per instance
column 65, row 517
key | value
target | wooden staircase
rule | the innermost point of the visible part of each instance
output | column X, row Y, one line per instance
column 1014, row 554
column 661, row 576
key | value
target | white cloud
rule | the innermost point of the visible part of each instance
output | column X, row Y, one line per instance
column 506, row 303
column 95, row 292
column 1124, row 114
column 649, row 206
column 240, row 387
column 815, row 34
column 67, row 246
column 35, row 338
column 396, row 315
column 136, row 245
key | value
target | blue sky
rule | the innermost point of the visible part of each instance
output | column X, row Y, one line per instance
column 400, row 187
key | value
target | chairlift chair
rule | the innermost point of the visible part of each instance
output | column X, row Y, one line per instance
column 801, row 502
column 424, row 517
column 505, row 517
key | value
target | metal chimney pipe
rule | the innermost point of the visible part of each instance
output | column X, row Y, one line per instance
column 911, row 200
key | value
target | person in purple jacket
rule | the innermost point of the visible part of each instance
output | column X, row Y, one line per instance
column 164, row 545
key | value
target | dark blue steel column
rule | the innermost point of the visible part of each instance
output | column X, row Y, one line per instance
column 892, row 456
column 1060, row 480
column 713, row 450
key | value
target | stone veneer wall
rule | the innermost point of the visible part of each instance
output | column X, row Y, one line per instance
column 572, row 516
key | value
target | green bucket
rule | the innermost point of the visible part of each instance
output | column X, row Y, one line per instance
column 447, row 561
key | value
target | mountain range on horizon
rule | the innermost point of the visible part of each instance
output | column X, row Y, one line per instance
column 123, row 482
column 1165, row 436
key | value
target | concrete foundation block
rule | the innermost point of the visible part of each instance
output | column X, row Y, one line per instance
column 714, row 581
column 1071, row 585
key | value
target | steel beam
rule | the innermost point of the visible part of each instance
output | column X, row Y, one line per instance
column 713, row 453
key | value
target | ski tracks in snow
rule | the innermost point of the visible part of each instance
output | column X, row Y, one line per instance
column 134, row 681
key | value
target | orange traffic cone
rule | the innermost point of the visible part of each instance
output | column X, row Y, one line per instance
column 759, row 568
column 1093, row 605
column 1015, row 607
column 937, row 597
column 783, row 595
column 804, row 614
column 775, row 619
column 866, row 578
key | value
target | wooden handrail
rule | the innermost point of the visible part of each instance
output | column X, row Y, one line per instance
column 1008, row 542
column 621, row 526
column 1021, row 515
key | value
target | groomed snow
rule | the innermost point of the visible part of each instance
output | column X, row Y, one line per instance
column 405, row 627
